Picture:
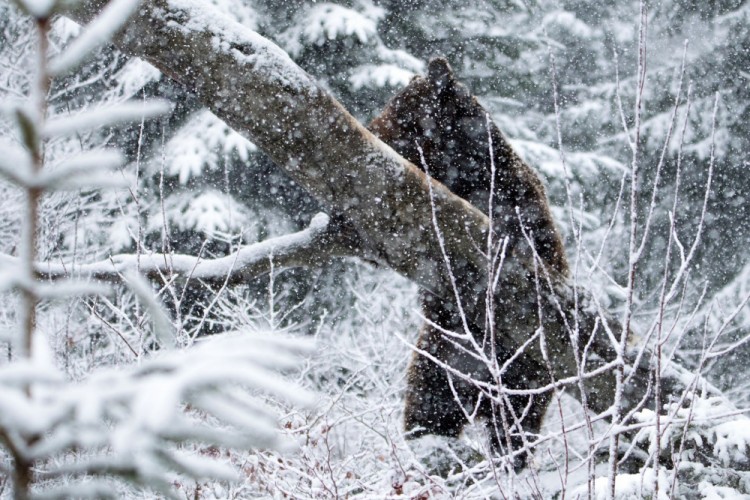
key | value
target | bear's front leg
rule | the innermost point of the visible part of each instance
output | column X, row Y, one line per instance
column 431, row 405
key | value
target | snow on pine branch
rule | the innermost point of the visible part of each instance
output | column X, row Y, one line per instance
column 133, row 77
column 547, row 160
column 89, row 170
column 200, row 144
column 108, row 116
column 377, row 76
column 143, row 422
column 211, row 212
column 324, row 22
column 96, row 34
column 730, row 303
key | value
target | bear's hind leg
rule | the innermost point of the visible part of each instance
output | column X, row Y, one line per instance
column 522, row 415
column 530, row 410
column 431, row 407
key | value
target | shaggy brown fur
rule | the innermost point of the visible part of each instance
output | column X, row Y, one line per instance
column 441, row 116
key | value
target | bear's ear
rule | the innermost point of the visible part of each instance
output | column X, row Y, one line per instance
column 439, row 73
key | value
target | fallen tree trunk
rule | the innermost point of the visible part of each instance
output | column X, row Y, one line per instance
column 396, row 214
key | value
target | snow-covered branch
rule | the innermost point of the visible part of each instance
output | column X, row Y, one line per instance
column 311, row 247
column 135, row 421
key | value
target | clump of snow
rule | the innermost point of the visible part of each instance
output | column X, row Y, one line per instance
column 105, row 116
column 475, row 19
column 568, row 22
column 327, row 21
column 122, row 232
column 330, row 21
column 711, row 491
column 245, row 45
column 713, row 421
column 731, row 441
column 135, row 75
column 98, row 32
column 211, row 212
column 628, row 486
column 581, row 165
column 65, row 29
column 698, row 138
column 241, row 11
column 188, row 158
column 199, row 144
column 400, row 58
column 378, row 76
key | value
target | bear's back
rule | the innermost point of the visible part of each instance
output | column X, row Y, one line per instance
column 438, row 115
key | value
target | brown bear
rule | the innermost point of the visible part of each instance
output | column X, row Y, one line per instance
column 439, row 115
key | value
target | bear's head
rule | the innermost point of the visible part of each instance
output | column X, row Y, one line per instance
column 439, row 115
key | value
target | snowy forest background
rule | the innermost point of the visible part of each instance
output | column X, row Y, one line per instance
column 116, row 404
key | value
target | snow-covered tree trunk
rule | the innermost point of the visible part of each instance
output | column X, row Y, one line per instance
column 385, row 202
